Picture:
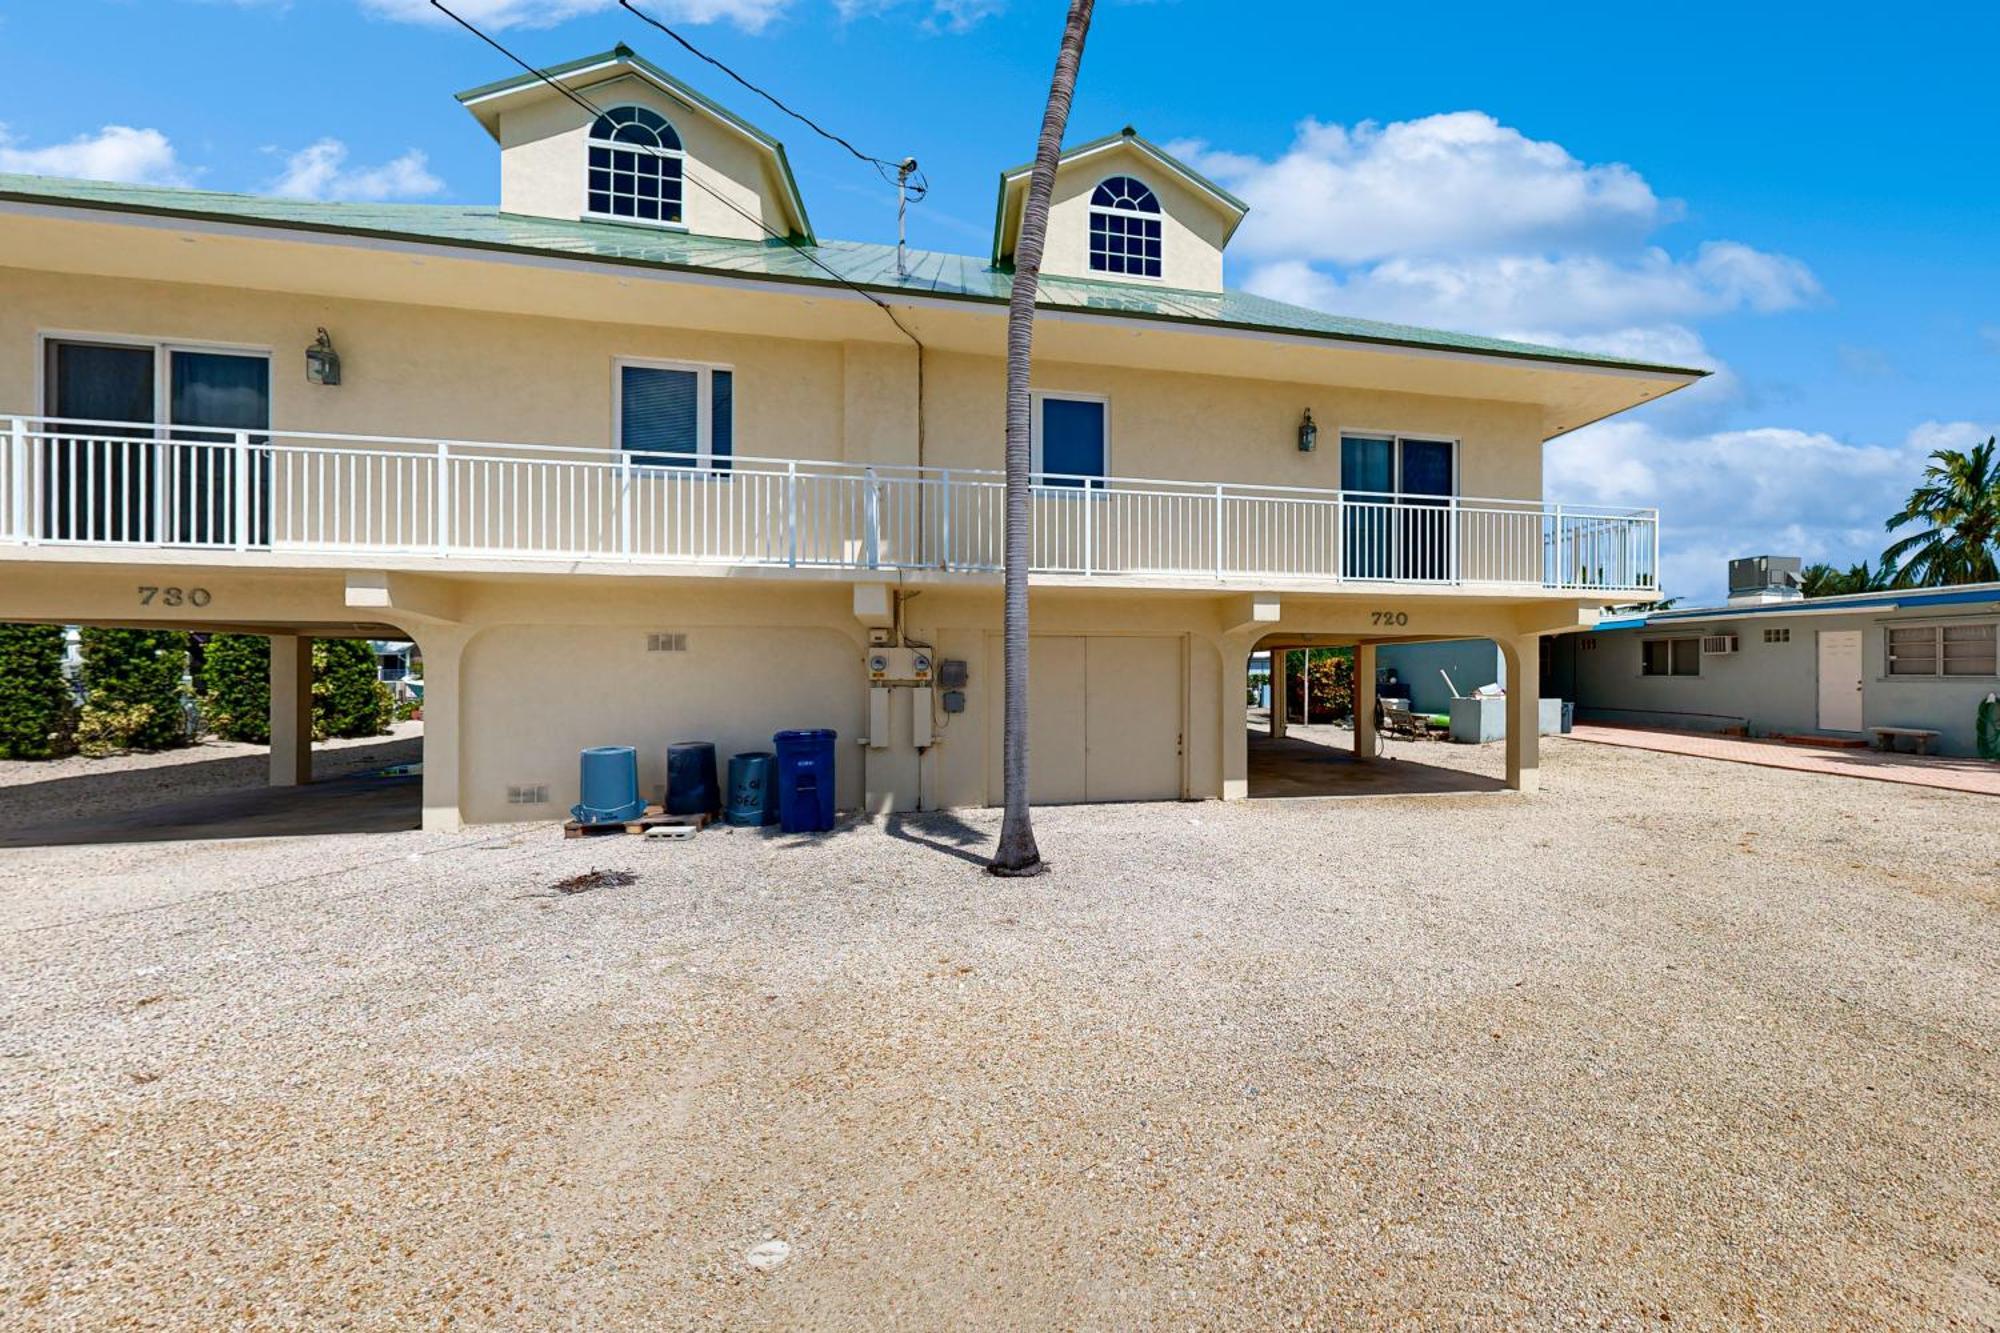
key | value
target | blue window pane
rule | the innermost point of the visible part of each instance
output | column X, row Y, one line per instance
column 722, row 417
column 1367, row 464
column 1427, row 467
column 658, row 415
column 1072, row 439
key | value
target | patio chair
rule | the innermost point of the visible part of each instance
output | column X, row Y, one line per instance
column 1394, row 718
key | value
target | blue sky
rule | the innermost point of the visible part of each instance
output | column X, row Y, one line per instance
column 1790, row 193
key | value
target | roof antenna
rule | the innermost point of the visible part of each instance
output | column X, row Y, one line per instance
column 904, row 171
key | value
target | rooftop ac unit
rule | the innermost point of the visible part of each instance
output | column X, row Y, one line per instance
column 1716, row 645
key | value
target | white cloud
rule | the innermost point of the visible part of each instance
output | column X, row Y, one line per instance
column 114, row 153
column 1459, row 221
column 1769, row 490
column 750, row 15
column 955, row 15
column 320, row 171
column 1577, row 293
column 1447, row 184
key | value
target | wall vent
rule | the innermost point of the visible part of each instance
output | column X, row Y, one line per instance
column 1717, row 645
column 533, row 794
column 675, row 642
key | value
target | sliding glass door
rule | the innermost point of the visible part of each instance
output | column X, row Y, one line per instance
column 1397, row 520
column 121, row 477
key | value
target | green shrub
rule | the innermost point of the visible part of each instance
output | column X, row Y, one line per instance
column 1332, row 683
column 237, row 675
column 347, row 698
column 37, row 714
column 133, row 690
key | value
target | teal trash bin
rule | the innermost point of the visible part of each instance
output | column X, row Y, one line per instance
column 610, row 786
column 753, row 791
column 805, row 780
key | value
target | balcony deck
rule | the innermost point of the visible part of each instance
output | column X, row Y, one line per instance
column 304, row 497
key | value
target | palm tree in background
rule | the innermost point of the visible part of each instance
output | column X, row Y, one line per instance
column 1823, row 580
column 1017, row 853
column 1958, row 503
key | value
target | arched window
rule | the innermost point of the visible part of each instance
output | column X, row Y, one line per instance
column 1125, row 229
column 635, row 166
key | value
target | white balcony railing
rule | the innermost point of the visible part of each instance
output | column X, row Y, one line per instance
column 68, row 483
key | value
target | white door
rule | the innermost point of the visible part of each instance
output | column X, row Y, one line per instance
column 1840, row 680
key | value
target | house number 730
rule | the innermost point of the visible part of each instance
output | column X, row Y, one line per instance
column 1388, row 617
column 173, row 596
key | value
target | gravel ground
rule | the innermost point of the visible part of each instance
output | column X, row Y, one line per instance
column 1675, row 1040
column 33, row 793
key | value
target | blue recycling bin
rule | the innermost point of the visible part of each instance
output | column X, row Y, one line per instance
column 610, row 786
column 805, row 780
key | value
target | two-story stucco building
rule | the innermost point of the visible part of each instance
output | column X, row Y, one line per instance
column 637, row 457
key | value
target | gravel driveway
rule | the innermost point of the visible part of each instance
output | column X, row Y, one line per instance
column 1674, row 1040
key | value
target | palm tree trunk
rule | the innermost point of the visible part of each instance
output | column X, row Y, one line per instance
column 1017, row 853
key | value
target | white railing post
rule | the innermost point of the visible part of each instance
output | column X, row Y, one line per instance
column 625, row 505
column 792, row 512
column 871, row 509
column 1562, row 578
column 1089, row 527
column 1451, row 542
column 1654, row 573
column 1218, row 530
column 240, row 464
column 18, row 450
column 944, row 556
column 442, row 491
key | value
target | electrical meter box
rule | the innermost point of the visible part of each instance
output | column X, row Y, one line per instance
column 899, row 666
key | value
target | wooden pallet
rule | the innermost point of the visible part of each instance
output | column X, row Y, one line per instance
column 654, row 818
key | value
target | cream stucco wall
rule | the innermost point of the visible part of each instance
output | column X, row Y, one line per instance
column 431, row 371
column 543, row 161
column 1191, row 228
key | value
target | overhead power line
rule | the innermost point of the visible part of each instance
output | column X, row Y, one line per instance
column 903, row 167
column 687, row 174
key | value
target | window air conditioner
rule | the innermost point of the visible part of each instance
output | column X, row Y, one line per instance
column 1715, row 645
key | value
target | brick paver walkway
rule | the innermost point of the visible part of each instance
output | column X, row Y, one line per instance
column 1979, row 776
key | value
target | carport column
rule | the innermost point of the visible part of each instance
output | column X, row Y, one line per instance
column 1234, row 683
column 291, row 710
column 444, row 655
column 1364, row 701
column 1524, row 711
column 1278, row 684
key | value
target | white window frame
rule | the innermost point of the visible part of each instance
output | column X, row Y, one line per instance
column 704, row 411
column 163, row 350
column 1092, row 209
column 1670, row 673
column 1937, row 629
column 589, row 214
column 1036, row 397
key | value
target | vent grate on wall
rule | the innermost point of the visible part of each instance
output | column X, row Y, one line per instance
column 667, row 643
column 532, row 794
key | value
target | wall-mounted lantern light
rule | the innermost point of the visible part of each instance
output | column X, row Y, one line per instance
column 1308, row 434
column 322, row 362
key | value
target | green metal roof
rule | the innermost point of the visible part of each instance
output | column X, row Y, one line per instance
column 868, row 266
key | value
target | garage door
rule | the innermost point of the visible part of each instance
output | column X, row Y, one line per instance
column 1104, row 719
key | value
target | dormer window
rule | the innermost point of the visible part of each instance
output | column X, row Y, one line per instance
column 1125, row 229
column 635, row 166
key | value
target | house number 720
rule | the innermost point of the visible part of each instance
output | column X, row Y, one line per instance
column 1388, row 617
column 173, row 596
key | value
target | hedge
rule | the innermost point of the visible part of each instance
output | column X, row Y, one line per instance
column 37, row 712
column 348, row 700
column 237, row 677
column 133, row 690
